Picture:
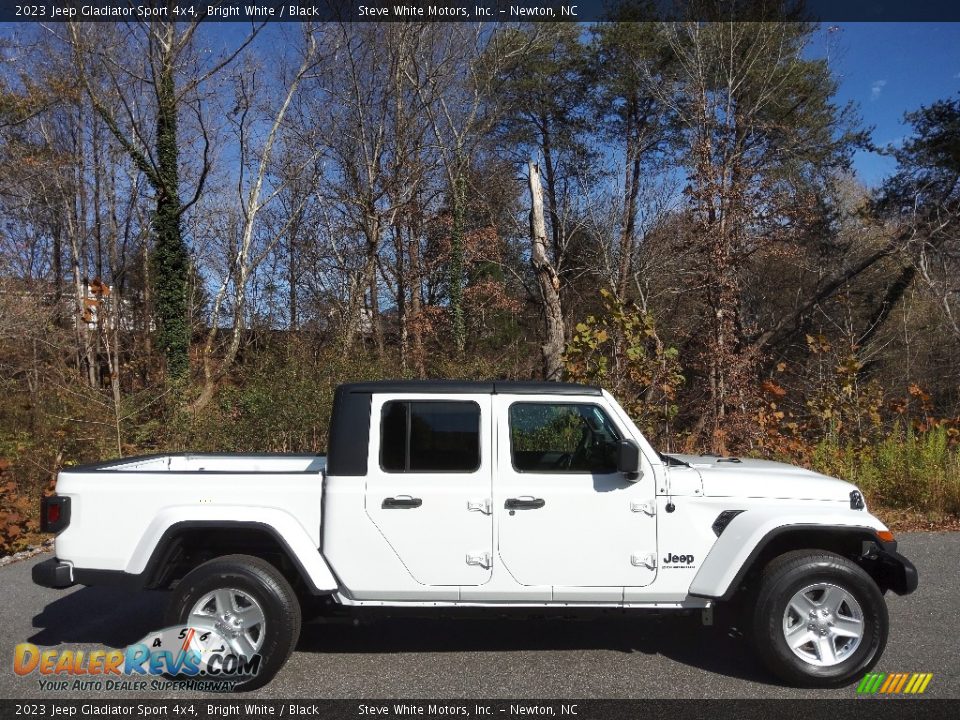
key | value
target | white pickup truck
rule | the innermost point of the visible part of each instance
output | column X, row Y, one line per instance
column 444, row 494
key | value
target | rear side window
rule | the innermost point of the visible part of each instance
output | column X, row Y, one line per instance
column 425, row 436
column 562, row 437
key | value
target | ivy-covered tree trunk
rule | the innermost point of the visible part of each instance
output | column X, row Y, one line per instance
column 170, row 259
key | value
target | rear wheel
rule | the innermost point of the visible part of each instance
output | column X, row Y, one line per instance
column 819, row 619
column 249, row 603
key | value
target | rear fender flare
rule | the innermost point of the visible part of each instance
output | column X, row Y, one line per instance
column 283, row 527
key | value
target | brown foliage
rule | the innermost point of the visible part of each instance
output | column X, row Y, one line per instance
column 19, row 523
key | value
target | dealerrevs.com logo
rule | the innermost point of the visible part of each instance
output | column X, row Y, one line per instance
column 179, row 657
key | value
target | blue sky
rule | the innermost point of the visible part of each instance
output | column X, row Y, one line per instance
column 888, row 69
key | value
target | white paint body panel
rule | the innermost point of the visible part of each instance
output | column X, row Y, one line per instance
column 433, row 541
column 588, row 546
column 585, row 534
column 745, row 531
column 119, row 513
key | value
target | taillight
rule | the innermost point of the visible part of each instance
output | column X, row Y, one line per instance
column 54, row 513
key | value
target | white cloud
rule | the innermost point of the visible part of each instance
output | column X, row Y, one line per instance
column 876, row 88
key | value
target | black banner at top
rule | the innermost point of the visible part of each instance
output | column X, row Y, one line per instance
column 483, row 10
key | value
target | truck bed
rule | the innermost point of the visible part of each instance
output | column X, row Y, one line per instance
column 134, row 500
column 212, row 463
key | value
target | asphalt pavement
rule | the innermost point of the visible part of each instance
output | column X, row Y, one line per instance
column 630, row 656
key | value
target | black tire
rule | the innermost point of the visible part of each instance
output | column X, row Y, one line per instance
column 787, row 575
column 264, row 583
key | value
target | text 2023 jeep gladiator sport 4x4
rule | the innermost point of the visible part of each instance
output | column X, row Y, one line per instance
column 444, row 494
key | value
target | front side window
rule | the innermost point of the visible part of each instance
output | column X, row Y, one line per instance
column 562, row 437
column 425, row 436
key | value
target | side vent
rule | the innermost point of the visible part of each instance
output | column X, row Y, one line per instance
column 723, row 519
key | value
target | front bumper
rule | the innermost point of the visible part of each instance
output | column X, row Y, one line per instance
column 53, row 573
column 895, row 571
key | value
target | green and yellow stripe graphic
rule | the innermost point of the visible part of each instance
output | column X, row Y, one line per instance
column 894, row 683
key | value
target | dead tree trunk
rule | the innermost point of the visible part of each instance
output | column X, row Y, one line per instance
column 547, row 280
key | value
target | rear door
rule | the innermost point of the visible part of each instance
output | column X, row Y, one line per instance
column 429, row 483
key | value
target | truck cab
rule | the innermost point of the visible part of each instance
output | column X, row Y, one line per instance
column 491, row 492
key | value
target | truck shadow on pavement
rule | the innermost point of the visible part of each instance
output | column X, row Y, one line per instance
column 117, row 618
column 681, row 639
column 99, row 615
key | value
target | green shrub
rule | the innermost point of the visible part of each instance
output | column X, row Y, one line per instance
column 907, row 469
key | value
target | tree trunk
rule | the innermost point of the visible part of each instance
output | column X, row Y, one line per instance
column 547, row 280
column 631, row 188
column 457, row 242
column 373, row 247
column 292, row 273
column 170, row 260
column 86, row 357
column 402, row 320
column 57, row 265
column 550, row 175
column 416, row 300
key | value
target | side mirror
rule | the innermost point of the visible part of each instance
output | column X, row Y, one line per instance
column 628, row 459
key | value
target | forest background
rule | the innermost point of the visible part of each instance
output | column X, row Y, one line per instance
column 205, row 228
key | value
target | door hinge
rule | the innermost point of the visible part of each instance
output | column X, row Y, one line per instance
column 480, row 560
column 483, row 506
column 648, row 561
column 650, row 508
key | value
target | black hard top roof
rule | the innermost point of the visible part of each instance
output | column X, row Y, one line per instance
column 507, row 387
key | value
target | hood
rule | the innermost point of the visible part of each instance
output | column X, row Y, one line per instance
column 742, row 477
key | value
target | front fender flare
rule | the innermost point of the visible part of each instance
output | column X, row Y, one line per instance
column 750, row 532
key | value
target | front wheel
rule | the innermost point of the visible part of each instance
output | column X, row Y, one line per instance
column 246, row 601
column 820, row 620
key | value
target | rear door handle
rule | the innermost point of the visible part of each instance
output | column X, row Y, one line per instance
column 401, row 502
column 524, row 503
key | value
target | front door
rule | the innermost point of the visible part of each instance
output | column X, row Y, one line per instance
column 566, row 516
column 428, row 485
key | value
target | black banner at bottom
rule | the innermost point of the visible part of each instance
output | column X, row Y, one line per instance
column 239, row 706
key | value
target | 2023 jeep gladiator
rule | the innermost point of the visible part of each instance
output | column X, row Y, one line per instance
column 443, row 494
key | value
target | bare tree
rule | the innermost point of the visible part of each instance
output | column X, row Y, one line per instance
column 458, row 72
column 254, row 198
column 750, row 106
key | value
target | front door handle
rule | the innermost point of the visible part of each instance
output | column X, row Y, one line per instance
column 524, row 503
column 401, row 502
